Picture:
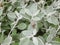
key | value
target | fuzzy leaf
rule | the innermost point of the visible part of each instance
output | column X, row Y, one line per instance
column 22, row 26
column 25, row 41
column 53, row 20
column 35, row 40
column 7, row 41
column 11, row 16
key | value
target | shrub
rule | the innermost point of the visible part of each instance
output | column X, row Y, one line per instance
column 30, row 22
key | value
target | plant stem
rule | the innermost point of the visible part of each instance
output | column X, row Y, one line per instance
column 14, row 26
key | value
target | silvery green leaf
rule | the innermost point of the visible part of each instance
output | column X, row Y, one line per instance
column 34, row 31
column 18, row 15
column 37, row 12
column 2, row 36
column 30, row 27
column 51, row 35
column 53, row 31
column 40, row 16
column 25, row 41
column 9, row 8
column 48, row 44
column 28, row 11
column 56, row 4
column 35, row 40
column 58, row 33
column 11, row 16
column 55, row 43
column 51, row 13
column 21, row 36
column 41, row 37
column 27, row 0
column 13, row 1
column 49, row 9
column 1, row 0
column 32, row 10
column 22, row 11
column 31, row 43
column 40, row 41
column 53, row 20
column 27, row 33
column 26, row 16
column 59, row 15
column 49, row 38
column 0, row 26
column 22, row 26
column 36, row 18
column 22, row 3
column 1, row 11
column 7, row 41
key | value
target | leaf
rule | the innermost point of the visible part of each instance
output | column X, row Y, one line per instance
column 0, row 26
column 24, row 41
column 22, row 3
column 49, row 38
column 27, row 0
column 22, row 26
column 55, row 43
column 1, row 38
column 48, row 10
column 53, row 20
column 35, row 40
column 11, row 16
column 51, row 35
column 40, row 42
column 48, row 44
column 32, row 10
column 9, row 8
column 28, row 12
column 7, row 41
column 13, row 1
column 1, row 11
column 56, row 4
column 34, row 31
column 25, row 15
column 38, row 17
column 27, row 33
column 41, row 37
column 14, row 32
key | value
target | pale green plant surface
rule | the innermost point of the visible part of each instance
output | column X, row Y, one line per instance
column 29, row 22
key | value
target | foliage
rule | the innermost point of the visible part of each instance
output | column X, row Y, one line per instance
column 29, row 22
